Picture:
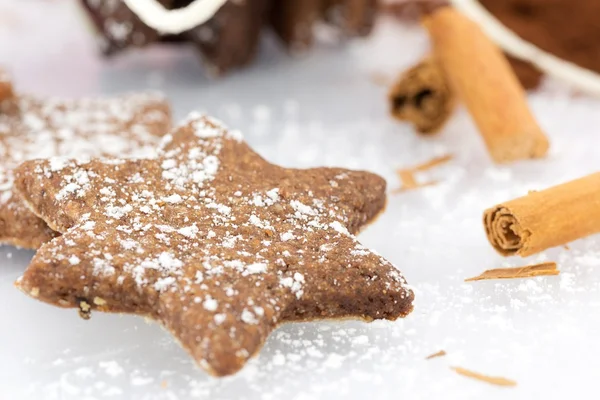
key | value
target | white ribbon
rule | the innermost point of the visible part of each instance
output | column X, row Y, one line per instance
column 153, row 14
column 580, row 78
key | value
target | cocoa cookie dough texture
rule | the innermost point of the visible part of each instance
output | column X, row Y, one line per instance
column 210, row 240
column 230, row 38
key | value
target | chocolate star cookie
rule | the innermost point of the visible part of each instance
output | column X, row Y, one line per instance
column 210, row 240
column 33, row 127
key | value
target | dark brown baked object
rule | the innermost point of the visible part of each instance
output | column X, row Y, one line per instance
column 231, row 38
column 210, row 240
column 32, row 127
column 118, row 27
column 293, row 20
column 568, row 29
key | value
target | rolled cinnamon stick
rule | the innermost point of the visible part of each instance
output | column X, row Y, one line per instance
column 545, row 219
column 483, row 79
column 422, row 97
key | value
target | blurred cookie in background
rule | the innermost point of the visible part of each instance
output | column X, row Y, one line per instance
column 230, row 38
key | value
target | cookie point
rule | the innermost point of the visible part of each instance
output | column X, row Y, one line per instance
column 207, row 127
column 30, row 291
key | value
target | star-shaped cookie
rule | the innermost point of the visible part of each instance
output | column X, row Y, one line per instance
column 210, row 240
column 31, row 127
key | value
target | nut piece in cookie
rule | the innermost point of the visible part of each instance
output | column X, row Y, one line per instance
column 32, row 127
column 212, row 241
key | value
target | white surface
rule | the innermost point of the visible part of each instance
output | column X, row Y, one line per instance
column 324, row 109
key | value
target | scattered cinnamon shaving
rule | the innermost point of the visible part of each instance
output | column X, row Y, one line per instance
column 440, row 353
column 529, row 271
column 407, row 175
column 408, row 179
column 566, row 247
column 494, row 380
column 434, row 162
column 164, row 384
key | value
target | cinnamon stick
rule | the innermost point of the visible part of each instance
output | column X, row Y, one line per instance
column 529, row 271
column 484, row 81
column 545, row 219
column 422, row 97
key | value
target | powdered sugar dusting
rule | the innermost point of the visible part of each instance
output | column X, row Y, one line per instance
column 59, row 129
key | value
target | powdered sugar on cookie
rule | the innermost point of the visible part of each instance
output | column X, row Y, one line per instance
column 60, row 129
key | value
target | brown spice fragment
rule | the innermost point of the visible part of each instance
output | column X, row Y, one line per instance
column 494, row 380
column 529, row 271
column 407, row 176
column 408, row 179
column 440, row 353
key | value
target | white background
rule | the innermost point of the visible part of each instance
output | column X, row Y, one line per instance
column 326, row 109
